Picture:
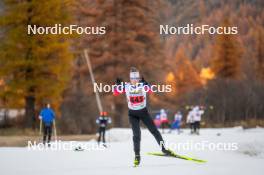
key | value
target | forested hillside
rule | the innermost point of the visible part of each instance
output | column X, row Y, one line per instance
column 189, row 63
column 224, row 73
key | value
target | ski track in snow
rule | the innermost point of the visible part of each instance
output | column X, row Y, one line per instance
column 117, row 159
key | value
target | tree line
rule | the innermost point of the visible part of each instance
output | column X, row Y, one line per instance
column 223, row 71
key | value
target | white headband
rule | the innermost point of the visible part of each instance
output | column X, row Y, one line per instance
column 134, row 75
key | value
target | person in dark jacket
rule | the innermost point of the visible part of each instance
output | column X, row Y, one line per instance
column 102, row 121
column 47, row 116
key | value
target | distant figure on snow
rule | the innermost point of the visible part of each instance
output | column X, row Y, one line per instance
column 157, row 120
column 102, row 121
column 47, row 116
column 197, row 112
column 164, row 120
column 177, row 121
column 190, row 120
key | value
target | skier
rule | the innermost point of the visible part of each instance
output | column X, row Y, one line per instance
column 164, row 120
column 157, row 121
column 177, row 121
column 190, row 120
column 47, row 116
column 197, row 118
column 136, row 92
column 102, row 121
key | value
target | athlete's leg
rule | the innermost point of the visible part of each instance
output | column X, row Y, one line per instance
column 45, row 133
column 169, row 126
column 195, row 127
column 103, row 130
column 192, row 127
column 134, row 121
column 147, row 120
column 49, row 133
column 100, row 135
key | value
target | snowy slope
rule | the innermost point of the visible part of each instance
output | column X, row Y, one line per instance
column 117, row 159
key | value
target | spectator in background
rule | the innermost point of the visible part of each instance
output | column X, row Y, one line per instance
column 164, row 120
column 190, row 120
column 47, row 116
column 197, row 112
column 177, row 121
column 102, row 121
column 157, row 121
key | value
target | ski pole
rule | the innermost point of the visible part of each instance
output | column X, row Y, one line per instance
column 40, row 127
column 55, row 131
column 108, row 135
column 98, row 101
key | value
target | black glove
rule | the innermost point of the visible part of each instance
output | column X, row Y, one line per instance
column 143, row 81
column 118, row 81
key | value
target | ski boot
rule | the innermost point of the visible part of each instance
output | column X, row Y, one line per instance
column 78, row 148
column 137, row 160
column 168, row 152
column 104, row 145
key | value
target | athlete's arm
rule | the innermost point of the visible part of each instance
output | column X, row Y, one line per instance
column 147, row 86
column 119, row 89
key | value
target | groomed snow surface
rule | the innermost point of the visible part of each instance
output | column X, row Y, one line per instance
column 117, row 159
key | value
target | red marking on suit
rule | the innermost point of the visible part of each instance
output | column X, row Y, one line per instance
column 136, row 99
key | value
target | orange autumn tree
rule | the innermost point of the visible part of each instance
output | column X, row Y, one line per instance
column 259, row 53
column 227, row 55
column 131, row 40
column 185, row 75
column 34, row 67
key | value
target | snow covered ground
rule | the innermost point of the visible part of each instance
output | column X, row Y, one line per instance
column 117, row 159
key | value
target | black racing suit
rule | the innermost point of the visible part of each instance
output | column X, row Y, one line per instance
column 102, row 122
column 134, row 117
column 136, row 98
